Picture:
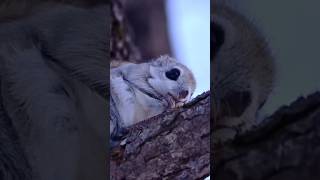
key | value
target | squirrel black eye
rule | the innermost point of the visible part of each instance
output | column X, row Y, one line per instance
column 173, row 74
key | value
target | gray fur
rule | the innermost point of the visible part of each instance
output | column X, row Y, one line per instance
column 54, row 73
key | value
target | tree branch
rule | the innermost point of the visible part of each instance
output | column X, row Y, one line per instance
column 173, row 145
column 285, row 146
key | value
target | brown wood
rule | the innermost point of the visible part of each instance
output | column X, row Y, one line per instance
column 172, row 145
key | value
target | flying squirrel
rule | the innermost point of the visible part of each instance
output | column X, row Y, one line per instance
column 243, row 71
column 141, row 91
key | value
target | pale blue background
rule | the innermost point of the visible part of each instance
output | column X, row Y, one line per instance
column 292, row 29
column 189, row 32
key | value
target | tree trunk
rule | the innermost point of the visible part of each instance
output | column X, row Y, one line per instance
column 149, row 26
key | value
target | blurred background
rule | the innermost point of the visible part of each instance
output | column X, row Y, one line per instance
column 291, row 28
column 180, row 28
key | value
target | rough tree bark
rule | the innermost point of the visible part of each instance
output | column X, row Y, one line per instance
column 173, row 145
column 285, row 146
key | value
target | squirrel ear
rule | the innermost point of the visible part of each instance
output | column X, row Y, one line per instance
column 166, row 57
column 163, row 60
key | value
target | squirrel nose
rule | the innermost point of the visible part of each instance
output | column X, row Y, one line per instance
column 183, row 94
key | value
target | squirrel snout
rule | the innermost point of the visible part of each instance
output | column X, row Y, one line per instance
column 183, row 94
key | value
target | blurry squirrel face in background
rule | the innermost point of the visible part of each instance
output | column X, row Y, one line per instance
column 243, row 68
column 172, row 79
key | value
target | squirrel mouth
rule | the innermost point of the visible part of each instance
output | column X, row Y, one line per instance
column 173, row 101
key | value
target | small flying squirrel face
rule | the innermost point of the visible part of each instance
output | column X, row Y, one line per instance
column 171, row 79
